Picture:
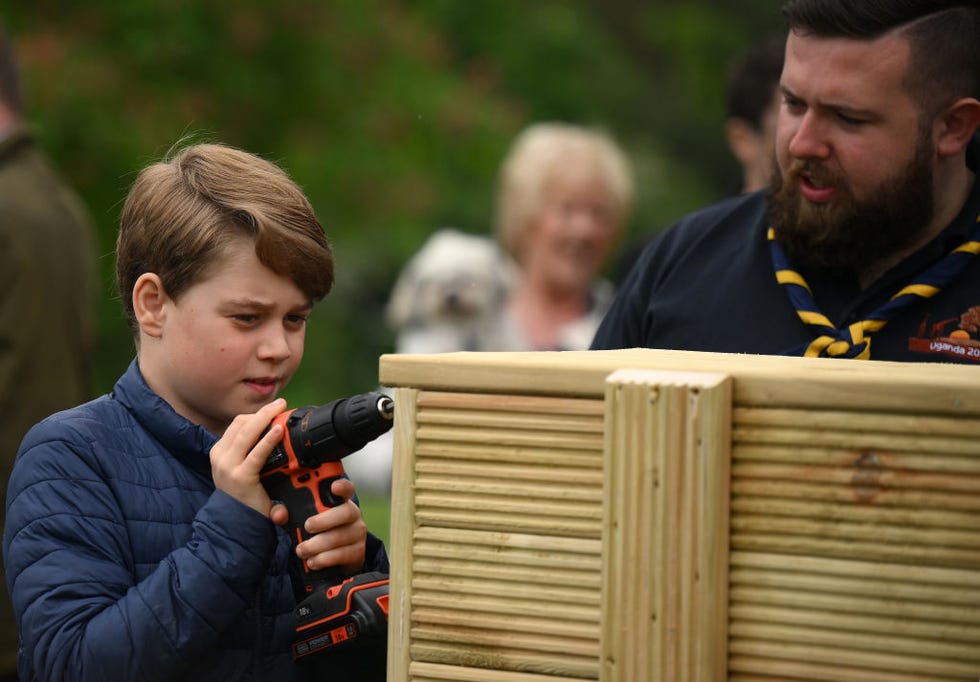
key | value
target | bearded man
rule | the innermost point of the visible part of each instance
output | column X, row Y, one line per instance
column 866, row 243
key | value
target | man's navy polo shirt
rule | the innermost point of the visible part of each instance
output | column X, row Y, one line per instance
column 707, row 284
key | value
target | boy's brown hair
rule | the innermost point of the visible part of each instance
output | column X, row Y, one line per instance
column 182, row 211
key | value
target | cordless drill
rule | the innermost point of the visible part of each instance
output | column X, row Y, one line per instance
column 347, row 617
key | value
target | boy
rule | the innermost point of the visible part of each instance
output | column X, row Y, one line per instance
column 140, row 543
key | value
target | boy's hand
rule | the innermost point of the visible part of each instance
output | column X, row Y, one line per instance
column 339, row 534
column 238, row 457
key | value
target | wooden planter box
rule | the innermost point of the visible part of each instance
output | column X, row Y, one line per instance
column 662, row 515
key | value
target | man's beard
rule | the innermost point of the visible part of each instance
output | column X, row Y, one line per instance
column 847, row 234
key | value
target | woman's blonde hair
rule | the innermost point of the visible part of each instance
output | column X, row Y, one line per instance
column 545, row 152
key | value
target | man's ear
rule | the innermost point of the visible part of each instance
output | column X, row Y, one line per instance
column 149, row 299
column 742, row 140
column 956, row 126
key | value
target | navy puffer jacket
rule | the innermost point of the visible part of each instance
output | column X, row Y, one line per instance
column 125, row 563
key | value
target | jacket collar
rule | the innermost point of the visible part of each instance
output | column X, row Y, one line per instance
column 188, row 442
column 15, row 139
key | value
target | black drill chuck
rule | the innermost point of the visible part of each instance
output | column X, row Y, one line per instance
column 316, row 435
column 333, row 431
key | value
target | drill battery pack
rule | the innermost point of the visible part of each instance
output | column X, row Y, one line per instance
column 350, row 615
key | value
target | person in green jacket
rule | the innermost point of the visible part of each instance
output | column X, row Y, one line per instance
column 47, row 278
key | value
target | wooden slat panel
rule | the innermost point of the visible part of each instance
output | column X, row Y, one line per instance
column 479, row 483
column 491, row 601
column 819, row 602
column 512, row 403
column 490, row 500
column 512, row 419
column 552, row 596
column 505, row 658
column 909, row 590
column 813, row 658
column 507, row 512
column 923, row 520
column 511, row 548
column 501, row 455
column 519, row 523
column 764, row 669
column 512, row 623
column 869, row 534
column 838, row 421
column 859, row 494
column 858, row 569
column 860, row 623
column 540, row 641
column 799, row 453
column 530, row 439
column 867, row 474
column 590, row 479
column 921, row 648
column 869, row 550
column 430, row 672
column 517, row 574
column 856, row 546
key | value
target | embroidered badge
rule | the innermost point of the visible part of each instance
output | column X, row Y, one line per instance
column 956, row 337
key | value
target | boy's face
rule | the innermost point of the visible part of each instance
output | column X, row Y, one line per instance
column 230, row 343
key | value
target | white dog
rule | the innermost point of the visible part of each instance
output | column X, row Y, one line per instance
column 441, row 294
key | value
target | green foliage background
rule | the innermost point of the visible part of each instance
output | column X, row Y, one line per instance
column 393, row 116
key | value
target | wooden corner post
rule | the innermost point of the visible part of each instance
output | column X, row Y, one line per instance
column 665, row 531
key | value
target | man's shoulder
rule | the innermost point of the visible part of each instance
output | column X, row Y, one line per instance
column 715, row 232
column 731, row 218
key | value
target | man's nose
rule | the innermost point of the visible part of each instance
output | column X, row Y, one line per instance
column 809, row 140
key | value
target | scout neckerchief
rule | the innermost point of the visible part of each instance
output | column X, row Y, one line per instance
column 854, row 341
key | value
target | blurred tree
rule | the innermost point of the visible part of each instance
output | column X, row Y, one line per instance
column 393, row 115
column 684, row 48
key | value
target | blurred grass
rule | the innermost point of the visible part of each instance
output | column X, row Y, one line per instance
column 376, row 510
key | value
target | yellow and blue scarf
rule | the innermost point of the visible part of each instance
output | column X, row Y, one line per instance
column 854, row 341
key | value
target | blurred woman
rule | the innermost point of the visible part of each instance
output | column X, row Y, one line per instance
column 564, row 194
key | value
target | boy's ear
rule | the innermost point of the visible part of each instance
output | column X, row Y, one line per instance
column 149, row 298
column 957, row 125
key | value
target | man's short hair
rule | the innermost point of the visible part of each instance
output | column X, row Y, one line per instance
column 753, row 80
column 944, row 36
column 182, row 212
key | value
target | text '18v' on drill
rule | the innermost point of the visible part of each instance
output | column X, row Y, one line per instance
column 333, row 613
